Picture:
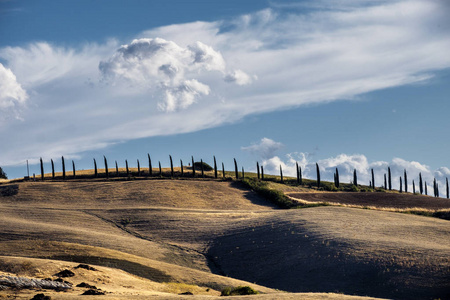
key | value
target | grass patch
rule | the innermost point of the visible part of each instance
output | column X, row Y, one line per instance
column 237, row 291
column 263, row 190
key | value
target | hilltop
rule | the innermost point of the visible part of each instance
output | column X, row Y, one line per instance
column 161, row 237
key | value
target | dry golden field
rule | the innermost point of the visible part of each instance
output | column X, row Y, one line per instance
column 158, row 238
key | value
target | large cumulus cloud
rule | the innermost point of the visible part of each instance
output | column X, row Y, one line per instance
column 12, row 95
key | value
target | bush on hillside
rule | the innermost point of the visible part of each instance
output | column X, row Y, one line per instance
column 206, row 167
column 3, row 174
column 240, row 290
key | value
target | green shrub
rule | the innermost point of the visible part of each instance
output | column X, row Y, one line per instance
column 262, row 189
column 206, row 167
column 240, row 290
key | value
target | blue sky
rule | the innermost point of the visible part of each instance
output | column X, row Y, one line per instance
column 349, row 84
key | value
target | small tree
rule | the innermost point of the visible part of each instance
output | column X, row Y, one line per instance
column 243, row 174
column 182, row 171
column 385, row 182
column 355, row 178
column 150, row 168
column 202, row 168
column 373, row 180
column 262, row 172
column 420, row 184
column 106, row 166
column 3, row 174
column 160, row 169
column 300, row 175
column 223, row 170
column 139, row 168
column 215, row 168
column 171, row 166
column 318, row 175
column 117, row 169
column 73, row 168
column 257, row 169
column 193, row 167
column 281, row 174
column 95, row 168
column 406, row 182
column 446, row 187
column 126, row 166
column 338, row 183
column 42, row 168
column 236, row 169
column 426, row 189
column 53, row 169
column 63, row 167
column 414, row 187
column 401, row 182
column 389, row 178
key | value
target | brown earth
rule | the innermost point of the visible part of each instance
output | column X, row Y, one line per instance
column 377, row 199
column 165, row 237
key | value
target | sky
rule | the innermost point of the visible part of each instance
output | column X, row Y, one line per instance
column 347, row 84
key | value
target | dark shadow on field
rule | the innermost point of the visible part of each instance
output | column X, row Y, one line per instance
column 252, row 196
column 287, row 257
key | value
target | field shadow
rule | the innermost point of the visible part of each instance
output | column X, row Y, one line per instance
column 252, row 196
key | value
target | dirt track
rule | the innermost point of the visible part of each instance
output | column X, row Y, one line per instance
column 379, row 200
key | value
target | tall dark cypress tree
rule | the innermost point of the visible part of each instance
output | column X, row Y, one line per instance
column 223, row 170
column 139, row 167
column 42, row 168
column 126, row 166
column 63, row 167
column 373, row 180
column 281, row 174
column 193, row 167
column 171, row 166
column 95, row 168
column 150, row 168
column 160, row 169
column 435, row 187
column 243, row 174
column 355, row 178
column 401, row 182
column 406, row 182
column 318, row 175
column 300, row 173
column 203, row 169
column 73, row 168
column 389, row 178
column 420, row 184
column 446, row 187
column 385, row 182
column 182, row 171
column 53, row 169
column 426, row 189
column 262, row 172
column 215, row 167
column 257, row 170
column 414, row 187
column 338, row 183
column 117, row 169
column 106, row 166
column 236, row 169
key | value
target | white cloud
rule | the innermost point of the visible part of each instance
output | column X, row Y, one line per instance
column 265, row 149
column 11, row 92
column 299, row 58
column 347, row 163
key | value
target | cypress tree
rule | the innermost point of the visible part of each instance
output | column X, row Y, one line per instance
column 420, row 184
column 106, row 166
column 73, row 168
column 53, row 169
column 117, row 169
column 446, row 187
column 401, row 182
column 334, row 178
column 182, row 172
column 257, row 169
column 63, row 167
column 414, row 187
column 203, row 169
column 318, row 175
column 243, row 174
column 426, row 189
column 406, row 182
column 126, row 166
column 385, row 182
column 373, row 180
column 298, row 175
column 223, row 170
column 160, row 170
column 42, row 169
column 281, row 174
column 171, row 166
column 355, row 178
column 95, row 168
column 150, row 168
column 435, row 187
column 215, row 168
column 389, row 178
column 262, row 173
column 193, row 167
column 236, row 169
column 139, row 168
column 337, row 178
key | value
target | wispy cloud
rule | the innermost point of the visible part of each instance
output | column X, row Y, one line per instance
column 211, row 73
